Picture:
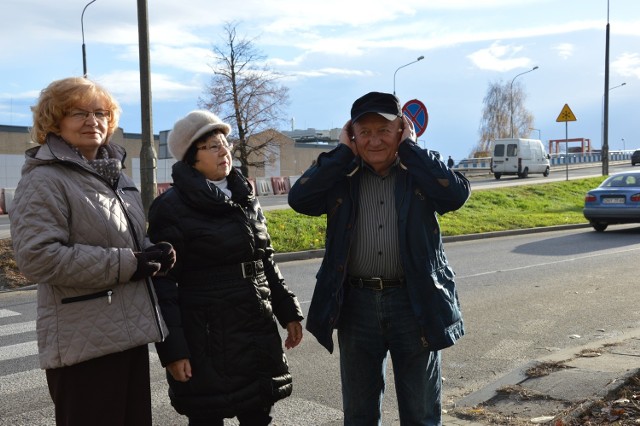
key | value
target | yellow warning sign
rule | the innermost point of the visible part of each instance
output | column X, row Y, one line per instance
column 566, row 114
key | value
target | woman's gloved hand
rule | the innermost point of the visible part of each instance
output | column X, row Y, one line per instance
column 148, row 264
column 168, row 257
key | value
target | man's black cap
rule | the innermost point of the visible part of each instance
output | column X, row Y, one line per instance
column 385, row 104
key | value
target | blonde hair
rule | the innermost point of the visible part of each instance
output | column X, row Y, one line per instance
column 57, row 99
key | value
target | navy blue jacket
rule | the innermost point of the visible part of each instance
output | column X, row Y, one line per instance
column 331, row 187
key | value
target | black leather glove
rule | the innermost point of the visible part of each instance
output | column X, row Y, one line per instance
column 168, row 257
column 148, row 264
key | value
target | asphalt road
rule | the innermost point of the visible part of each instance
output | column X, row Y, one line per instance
column 523, row 297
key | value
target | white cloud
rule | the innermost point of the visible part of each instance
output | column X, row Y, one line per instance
column 190, row 58
column 125, row 86
column 498, row 57
column 31, row 94
column 627, row 65
column 564, row 50
column 323, row 72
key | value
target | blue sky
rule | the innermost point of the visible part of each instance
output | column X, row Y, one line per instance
column 334, row 51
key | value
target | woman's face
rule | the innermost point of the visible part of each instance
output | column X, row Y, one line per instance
column 85, row 127
column 213, row 158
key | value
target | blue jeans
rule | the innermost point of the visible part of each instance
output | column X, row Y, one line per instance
column 374, row 323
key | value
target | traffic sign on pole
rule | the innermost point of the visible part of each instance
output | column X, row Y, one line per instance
column 566, row 115
column 417, row 113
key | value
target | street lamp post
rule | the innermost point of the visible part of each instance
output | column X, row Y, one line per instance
column 624, row 148
column 511, row 95
column 405, row 65
column 84, row 52
column 602, row 122
column 538, row 130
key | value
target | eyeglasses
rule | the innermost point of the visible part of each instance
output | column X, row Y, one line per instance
column 215, row 147
column 82, row 115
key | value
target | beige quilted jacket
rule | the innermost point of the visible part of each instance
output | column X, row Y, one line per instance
column 75, row 236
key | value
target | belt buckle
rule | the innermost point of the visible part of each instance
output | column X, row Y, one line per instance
column 248, row 269
column 380, row 285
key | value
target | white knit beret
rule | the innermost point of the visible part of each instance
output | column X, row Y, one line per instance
column 188, row 129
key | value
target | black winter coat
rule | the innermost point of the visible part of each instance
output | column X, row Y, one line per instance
column 224, row 323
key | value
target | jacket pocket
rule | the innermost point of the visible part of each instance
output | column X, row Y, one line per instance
column 85, row 297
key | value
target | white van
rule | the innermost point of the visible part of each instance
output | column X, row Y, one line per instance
column 519, row 157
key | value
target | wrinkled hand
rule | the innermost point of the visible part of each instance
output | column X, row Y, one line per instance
column 180, row 370
column 148, row 264
column 168, row 257
column 347, row 138
column 409, row 131
column 294, row 334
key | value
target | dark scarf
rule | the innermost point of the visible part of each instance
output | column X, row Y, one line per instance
column 108, row 168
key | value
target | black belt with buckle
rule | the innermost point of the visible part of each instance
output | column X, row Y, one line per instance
column 375, row 283
column 240, row 270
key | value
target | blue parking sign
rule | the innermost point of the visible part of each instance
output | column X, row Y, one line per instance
column 417, row 113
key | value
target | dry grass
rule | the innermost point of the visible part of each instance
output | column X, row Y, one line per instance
column 10, row 277
column 545, row 368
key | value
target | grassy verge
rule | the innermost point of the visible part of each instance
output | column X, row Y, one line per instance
column 518, row 207
column 526, row 206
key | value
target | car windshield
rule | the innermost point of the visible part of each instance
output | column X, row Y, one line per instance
column 624, row 180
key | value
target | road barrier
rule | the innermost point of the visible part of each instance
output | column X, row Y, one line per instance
column 263, row 185
column 6, row 199
column 484, row 164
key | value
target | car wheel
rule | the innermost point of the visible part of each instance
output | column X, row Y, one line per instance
column 546, row 172
column 497, row 175
column 599, row 226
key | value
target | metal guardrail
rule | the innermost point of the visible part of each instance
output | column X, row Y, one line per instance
column 484, row 164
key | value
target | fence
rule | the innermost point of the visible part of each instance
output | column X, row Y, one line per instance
column 484, row 164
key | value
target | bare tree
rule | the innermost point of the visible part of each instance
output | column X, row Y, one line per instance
column 496, row 116
column 245, row 93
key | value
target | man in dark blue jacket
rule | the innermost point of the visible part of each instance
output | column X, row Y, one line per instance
column 385, row 283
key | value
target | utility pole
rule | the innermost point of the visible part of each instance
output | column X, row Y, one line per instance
column 147, row 150
column 605, row 120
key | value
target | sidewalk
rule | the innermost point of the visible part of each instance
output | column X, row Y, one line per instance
column 561, row 386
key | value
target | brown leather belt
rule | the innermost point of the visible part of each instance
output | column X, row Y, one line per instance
column 375, row 283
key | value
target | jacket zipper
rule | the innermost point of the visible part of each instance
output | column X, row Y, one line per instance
column 119, row 193
column 105, row 293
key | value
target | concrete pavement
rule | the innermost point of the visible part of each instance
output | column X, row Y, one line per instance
column 561, row 386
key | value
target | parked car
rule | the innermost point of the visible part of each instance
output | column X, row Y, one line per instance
column 635, row 157
column 616, row 200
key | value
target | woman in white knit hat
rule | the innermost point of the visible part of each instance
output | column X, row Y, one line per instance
column 225, row 296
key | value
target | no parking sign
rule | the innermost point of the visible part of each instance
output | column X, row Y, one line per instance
column 417, row 113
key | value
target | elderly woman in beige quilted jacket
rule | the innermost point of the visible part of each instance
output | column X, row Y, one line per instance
column 78, row 230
